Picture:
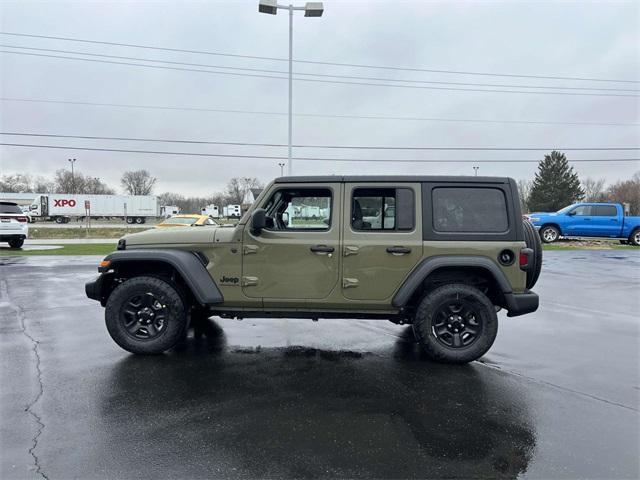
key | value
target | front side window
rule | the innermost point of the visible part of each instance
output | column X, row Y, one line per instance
column 582, row 211
column 299, row 209
column 382, row 209
column 469, row 209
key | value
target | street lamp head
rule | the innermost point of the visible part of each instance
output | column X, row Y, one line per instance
column 268, row 6
column 313, row 9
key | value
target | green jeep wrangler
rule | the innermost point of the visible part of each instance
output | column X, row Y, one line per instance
column 441, row 253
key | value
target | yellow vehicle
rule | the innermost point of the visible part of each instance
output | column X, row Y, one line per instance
column 187, row 221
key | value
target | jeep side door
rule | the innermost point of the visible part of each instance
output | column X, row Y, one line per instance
column 296, row 258
column 382, row 238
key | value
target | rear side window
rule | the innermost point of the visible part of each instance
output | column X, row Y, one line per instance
column 606, row 211
column 383, row 209
column 9, row 208
column 469, row 209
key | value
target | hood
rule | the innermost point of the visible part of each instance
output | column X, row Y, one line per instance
column 537, row 214
column 186, row 235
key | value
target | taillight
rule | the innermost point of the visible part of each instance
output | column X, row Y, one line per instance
column 523, row 258
column 22, row 219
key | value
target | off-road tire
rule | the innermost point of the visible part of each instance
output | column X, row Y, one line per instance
column 16, row 242
column 634, row 238
column 549, row 238
column 428, row 309
column 175, row 315
column 532, row 239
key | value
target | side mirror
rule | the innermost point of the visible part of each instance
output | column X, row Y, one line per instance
column 258, row 221
column 571, row 213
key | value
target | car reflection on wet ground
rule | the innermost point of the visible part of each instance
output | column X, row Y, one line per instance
column 557, row 396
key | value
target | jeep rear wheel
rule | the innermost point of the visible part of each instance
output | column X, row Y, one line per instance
column 146, row 315
column 455, row 323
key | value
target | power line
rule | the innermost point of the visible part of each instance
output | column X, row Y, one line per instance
column 314, row 62
column 336, row 147
column 317, row 115
column 322, row 75
column 315, row 80
column 265, row 157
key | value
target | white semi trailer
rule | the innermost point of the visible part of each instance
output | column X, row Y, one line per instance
column 62, row 207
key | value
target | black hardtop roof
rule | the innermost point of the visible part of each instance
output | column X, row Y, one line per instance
column 391, row 178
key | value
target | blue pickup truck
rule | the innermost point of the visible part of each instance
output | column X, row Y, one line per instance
column 603, row 220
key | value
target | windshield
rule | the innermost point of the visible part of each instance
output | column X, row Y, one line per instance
column 180, row 221
column 9, row 208
column 565, row 209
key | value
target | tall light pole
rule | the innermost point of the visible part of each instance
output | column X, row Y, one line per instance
column 281, row 169
column 476, row 170
column 73, row 178
column 311, row 9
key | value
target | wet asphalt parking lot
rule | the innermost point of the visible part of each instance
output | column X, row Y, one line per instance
column 556, row 397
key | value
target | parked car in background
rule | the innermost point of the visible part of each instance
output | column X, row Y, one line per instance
column 14, row 225
column 187, row 220
column 599, row 220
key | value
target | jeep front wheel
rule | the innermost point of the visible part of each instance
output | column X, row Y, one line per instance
column 146, row 315
column 455, row 323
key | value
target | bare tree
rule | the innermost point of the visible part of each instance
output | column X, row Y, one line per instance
column 627, row 191
column 138, row 182
column 16, row 183
column 524, row 190
column 65, row 182
column 237, row 188
column 95, row 186
column 594, row 190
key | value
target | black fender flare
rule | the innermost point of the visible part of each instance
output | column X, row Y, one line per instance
column 189, row 265
column 429, row 265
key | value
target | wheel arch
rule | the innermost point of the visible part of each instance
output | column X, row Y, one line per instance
column 551, row 224
column 453, row 268
column 187, row 269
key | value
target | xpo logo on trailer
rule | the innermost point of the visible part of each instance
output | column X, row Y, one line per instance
column 63, row 202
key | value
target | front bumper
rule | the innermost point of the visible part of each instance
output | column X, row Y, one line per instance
column 93, row 289
column 521, row 303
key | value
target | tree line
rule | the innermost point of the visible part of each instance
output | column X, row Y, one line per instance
column 133, row 182
column 556, row 185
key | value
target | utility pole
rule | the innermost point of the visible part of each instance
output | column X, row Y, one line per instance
column 311, row 9
column 73, row 178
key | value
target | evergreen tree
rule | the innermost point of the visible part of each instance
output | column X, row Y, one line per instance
column 556, row 184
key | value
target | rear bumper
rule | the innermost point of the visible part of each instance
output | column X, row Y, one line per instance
column 521, row 303
column 6, row 236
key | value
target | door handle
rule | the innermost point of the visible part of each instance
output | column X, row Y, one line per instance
column 322, row 249
column 398, row 250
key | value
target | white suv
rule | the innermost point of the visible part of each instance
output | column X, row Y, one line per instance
column 14, row 225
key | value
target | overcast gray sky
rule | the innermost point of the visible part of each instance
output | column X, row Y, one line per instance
column 566, row 39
